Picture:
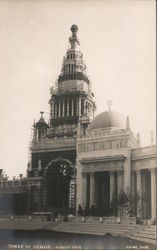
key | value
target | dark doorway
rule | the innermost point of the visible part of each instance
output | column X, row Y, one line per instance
column 146, row 194
column 102, row 193
column 58, row 178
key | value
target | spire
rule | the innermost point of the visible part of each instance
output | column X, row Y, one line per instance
column 41, row 112
column 127, row 123
column 109, row 103
column 73, row 39
column 73, row 67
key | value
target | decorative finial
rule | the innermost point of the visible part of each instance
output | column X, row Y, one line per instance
column 109, row 103
column 74, row 29
column 127, row 123
column 41, row 112
column 73, row 39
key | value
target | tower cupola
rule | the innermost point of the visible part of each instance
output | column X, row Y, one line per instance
column 71, row 98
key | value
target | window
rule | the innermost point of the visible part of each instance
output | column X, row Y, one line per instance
column 70, row 107
column 65, row 109
column 82, row 106
column 75, row 107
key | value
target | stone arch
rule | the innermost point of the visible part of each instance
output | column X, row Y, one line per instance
column 59, row 159
column 58, row 175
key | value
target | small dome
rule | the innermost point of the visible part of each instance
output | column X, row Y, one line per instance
column 108, row 119
column 41, row 123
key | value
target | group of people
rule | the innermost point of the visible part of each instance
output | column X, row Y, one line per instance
column 86, row 211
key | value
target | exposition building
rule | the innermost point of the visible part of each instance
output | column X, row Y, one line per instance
column 78, row 159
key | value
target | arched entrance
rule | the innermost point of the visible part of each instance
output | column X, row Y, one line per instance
column 59, row 174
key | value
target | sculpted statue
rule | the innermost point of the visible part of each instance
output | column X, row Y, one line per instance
column 39, row 165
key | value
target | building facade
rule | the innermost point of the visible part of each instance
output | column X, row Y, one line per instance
column 77, row 159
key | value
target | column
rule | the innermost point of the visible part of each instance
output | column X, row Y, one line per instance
column 72, row 107
column 119, row 181
column 63, row 115
column 112, row 185
column 84, row 189
column 67, row 108
column 143, row 191
column 153, row 193
column 92, row 189
column 59, row 109
column 138, row 185
column 79, row 107
column 55, row 110
column 133, row 190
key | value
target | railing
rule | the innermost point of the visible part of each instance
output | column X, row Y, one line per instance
column 76, row 76
column 53, row 143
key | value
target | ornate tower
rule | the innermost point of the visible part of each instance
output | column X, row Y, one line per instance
column 52, row 170
column 72, row 98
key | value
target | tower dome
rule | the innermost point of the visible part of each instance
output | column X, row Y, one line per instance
column 108, row 119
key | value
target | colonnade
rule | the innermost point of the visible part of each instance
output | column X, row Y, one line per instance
column 139, row 188
column 70, row 107
column 116, row 183
column 67, row 108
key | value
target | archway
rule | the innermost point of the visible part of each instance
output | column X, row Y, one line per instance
column 59, row 174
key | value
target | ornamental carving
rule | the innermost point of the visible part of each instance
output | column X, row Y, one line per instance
column 102, row 145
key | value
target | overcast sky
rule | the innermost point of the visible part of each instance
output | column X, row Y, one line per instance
column 118, row 42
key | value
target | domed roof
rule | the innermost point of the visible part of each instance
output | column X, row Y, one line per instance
column 108, row 119
column 41, row 123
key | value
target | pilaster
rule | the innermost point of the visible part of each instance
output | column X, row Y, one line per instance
column 84, row 189
column 139, row 191
column 153, row 193
column 92, row 189
column 119, row 181
column 112, row 185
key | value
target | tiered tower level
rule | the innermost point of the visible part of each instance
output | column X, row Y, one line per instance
column 72, row 98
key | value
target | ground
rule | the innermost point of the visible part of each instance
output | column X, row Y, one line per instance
column 43, row 239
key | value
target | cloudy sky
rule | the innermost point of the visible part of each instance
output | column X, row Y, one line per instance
column 118, row 42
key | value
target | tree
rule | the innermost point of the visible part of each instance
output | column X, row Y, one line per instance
column 129, row 203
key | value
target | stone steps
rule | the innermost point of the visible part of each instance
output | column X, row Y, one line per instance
column 99, row 224
column 105, row 228
column 146, row 234
column 78, row 231
column 136, row 232
column 87, row 230
column 95, row 228
column 146, row 240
